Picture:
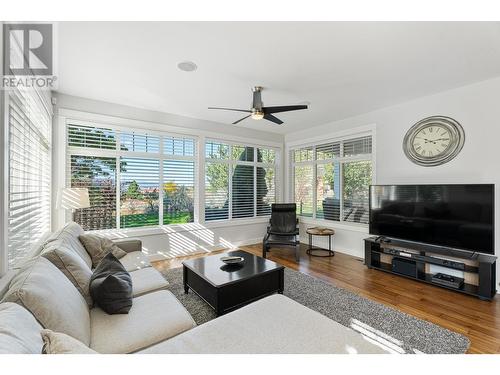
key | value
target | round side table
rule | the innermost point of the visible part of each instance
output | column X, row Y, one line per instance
column 320, row 232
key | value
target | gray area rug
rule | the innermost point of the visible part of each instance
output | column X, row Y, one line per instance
column 408, row 334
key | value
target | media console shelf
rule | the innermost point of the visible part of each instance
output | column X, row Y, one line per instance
column 478, row 269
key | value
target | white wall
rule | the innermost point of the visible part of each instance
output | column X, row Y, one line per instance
column 168, row 241
column 476, row 107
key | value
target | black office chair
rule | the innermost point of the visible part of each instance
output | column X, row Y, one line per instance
column 283, row 228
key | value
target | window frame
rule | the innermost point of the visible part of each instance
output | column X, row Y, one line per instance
column 341, row 160
column 118, row 153
column 231, row 162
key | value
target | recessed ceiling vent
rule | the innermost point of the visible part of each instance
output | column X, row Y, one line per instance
column 187, row 66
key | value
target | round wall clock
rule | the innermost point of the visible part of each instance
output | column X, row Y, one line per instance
column 434, row 141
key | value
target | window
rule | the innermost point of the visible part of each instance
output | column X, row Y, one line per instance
column 29, row 129
column 135, row 179
column 240, row 181
column 331, row 181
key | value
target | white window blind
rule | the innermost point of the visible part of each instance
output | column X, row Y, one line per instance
column 303, row 188
column 240, row 181
column 331, row 180
column 216, row 191
column 358, row 146
column 138, row 142
column 91, row 137
column 178, row 191
column 266, row 181
column 139, row 192
column 135, row 178
column 243, row 193
column 98, row 175
column 357, row 177
column 30, row 122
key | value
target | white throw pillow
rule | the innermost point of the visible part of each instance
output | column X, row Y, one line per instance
column 19, row 331
column 98, row 247
column 68, row 237
column 60, row 343
column 72, row 266
column 55, row 303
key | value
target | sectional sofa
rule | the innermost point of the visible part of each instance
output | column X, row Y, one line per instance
column 41, row 296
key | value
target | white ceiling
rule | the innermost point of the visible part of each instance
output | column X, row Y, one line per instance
column 341, row 68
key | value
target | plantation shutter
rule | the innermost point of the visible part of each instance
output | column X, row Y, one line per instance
column 357, row 177
column 29, row 122
column 178, row 191
column 328, row 151
column 266, row 180
column 216, row 181
column 139, row 192
column 139, row 142
column 358, row 146
column 216, row 191
column 303, row 187
column 98, row 175
column 243, row 190
column 91, row 137
column 266, row 190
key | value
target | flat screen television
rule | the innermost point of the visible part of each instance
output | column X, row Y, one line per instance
column 455, row 216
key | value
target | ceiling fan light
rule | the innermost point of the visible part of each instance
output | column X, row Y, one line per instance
column 257, row 115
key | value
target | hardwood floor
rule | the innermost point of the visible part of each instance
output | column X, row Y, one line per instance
column 476, row 319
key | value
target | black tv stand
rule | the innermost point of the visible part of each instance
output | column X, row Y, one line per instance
column 415, row 259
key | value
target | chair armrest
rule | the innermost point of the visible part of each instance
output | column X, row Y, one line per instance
column 129, row 245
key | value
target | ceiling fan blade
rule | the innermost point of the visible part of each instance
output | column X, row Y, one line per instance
column 231, row 109
column 284, row 108
column 271, row 118
column 241, row 119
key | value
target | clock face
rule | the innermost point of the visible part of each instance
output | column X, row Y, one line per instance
column 434, row 141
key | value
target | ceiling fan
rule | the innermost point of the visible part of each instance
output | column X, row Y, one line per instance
column 259, row 112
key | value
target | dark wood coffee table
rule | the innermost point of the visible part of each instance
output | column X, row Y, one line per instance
column 226, row 288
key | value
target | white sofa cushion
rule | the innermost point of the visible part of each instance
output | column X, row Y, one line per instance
column 68, row 237
column 274, row 325
column 147, row 280
column 135, row 260
column 55, row 303
column 154, row 317
column 60, row 343
column 19, row 331
column 72, row 266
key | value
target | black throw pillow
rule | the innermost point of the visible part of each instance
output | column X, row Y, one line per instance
column 111, row 286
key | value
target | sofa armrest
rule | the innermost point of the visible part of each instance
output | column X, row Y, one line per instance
column 129, row 245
